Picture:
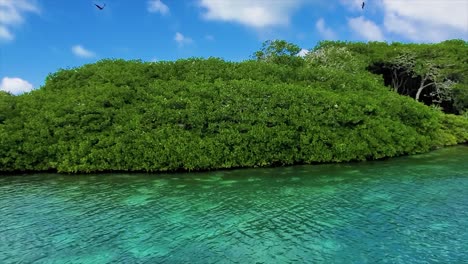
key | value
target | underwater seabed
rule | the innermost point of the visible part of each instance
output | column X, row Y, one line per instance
column 404, row 210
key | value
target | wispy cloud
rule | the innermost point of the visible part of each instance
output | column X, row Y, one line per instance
column 209, row 37
column 12, row 13
column 415, row 20
column 5, row 34
column 181, row 39
column 325, row 31
column 80, row 51
column 252, row 13
column 157, row 6
column 431, row 21
column 15, row 85
column 366, row 29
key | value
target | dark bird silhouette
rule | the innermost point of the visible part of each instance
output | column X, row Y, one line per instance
column 100, row 7
column 363, row 4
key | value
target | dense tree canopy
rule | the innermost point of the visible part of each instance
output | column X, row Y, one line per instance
column 432, row 73
column 279, row 52
column 197, row 114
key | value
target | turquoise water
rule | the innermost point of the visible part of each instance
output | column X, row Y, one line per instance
column 404, row 210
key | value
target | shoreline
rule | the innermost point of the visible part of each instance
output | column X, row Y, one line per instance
column 182, row 171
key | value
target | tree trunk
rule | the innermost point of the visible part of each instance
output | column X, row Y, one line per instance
column 395, row 81
column 421, row 87
column 419, row 93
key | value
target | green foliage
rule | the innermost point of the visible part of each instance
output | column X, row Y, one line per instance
column 431, row 73
column 7, row 106
column 198, row 114
column 336, row 57
column 279, row 52
column 460, row 97
column 455, row 130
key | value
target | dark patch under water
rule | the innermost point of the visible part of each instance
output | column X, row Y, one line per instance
column 404, row 210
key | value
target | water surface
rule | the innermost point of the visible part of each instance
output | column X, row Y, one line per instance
column 404, row 210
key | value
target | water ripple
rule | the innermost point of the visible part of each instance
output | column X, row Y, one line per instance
column 407, row 210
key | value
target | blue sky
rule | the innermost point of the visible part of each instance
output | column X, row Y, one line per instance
column 38, row 37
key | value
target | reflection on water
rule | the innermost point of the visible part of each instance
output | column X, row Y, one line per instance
column 404, row 210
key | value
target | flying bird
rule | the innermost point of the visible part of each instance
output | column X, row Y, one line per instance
column 100, row 7
column 363, row 4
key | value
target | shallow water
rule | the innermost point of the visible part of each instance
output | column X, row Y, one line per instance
column 404, row 210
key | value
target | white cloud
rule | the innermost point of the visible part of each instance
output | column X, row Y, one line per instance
column 253, row 13
column 326, row 32
column 303, row 52
column 5, row 34
column 414, row 30
column 12, row 13
column 366, row 29
column 426, row 20
column 15, row 85
column 181, row 39
column 418, row 20
column 450, row 13
column 80, row 51
column 157, row 6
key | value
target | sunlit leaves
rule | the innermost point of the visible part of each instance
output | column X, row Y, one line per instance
column 198, row 114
